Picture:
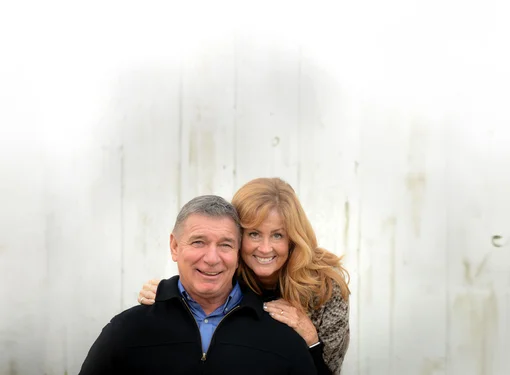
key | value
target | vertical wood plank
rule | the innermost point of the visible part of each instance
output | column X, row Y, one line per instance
column 401, row 200
column 327, row 176
column 478, row 263
column 150, row 180
column 83, row 225
column 266, row 110
column 207, row 126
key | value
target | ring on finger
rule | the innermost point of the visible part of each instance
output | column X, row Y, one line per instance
column 141, row 300
column 281, row 312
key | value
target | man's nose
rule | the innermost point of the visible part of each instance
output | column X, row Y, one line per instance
column 211, row 255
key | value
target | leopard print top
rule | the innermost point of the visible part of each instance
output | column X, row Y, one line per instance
column 332, row 323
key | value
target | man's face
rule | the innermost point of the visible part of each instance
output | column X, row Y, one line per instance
column 206, row 251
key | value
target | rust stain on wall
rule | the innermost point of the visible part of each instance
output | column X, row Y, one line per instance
column 416, row 184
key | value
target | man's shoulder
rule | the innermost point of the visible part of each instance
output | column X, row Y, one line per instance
column 282, row 336
column 132, row 315
column 167, row 289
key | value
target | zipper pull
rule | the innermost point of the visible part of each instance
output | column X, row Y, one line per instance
column 204, row 357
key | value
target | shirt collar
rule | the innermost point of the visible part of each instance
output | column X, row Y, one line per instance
column 233, row 298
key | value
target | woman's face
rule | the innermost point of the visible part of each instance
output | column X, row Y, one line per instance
column 265, row 249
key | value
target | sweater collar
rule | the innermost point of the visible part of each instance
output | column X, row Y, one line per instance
column 168, row 289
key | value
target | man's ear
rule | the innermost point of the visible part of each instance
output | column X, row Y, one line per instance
column 174, row 247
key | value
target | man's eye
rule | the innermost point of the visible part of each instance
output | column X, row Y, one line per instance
column 197, row 243
column 226, row 245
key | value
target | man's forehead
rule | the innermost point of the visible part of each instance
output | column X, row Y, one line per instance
column 196, row 224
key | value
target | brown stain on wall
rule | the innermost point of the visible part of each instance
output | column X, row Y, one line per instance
column 469, row 276
column 478, row 308
column 416, row 184
column 202, row 157
column 193, row 147
column 390, row 225
column 145, row 224
column 430, row 366
column 416, row 179
column 13, row 367
column 480, row 312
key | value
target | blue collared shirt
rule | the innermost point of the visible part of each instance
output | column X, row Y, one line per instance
column 208, row 323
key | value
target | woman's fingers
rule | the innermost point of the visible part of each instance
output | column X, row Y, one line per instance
column 281, row 307
column 147, row 295
column 144, row 298
column 282, row 312
column 151, row 285
column 279, row 314
column 285, row 313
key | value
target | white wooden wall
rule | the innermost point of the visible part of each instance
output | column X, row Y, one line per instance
column 390, row 119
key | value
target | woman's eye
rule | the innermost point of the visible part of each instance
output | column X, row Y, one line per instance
column 278, row 235
column 253, row 234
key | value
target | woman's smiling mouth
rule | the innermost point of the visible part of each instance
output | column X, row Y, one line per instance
column 264, row 260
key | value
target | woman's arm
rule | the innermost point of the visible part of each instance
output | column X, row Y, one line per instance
column 332, row 322
column 147, row 295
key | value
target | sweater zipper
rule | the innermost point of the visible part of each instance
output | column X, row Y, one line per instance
column 204, row 355
column 198, row 328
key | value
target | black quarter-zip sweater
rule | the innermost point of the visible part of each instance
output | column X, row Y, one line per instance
column 164, row 339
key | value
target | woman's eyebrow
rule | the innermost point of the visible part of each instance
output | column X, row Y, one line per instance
column 278, row 230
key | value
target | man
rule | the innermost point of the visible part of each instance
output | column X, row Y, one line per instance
column 203, row 322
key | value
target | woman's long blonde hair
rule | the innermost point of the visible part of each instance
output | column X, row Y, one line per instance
column 306, row 279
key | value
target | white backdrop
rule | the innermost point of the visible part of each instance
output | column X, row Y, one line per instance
column 390, row 119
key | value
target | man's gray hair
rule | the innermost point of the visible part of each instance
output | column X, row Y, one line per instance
column 211, row 206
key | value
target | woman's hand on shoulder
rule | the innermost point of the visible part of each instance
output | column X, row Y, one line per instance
column 284, row 312
column 147, row 295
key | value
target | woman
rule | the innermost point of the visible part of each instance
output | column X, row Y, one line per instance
column 304, row 285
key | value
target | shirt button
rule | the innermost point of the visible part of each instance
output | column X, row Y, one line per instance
column 206, row 321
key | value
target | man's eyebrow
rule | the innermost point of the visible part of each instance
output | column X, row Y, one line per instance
column 204, row 237
column 227, row 239
column 196, row 237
